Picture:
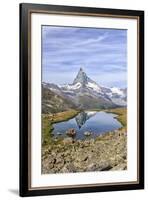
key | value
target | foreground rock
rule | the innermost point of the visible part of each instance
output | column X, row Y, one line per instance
column 105, row 152
column 87, row 133
column 71, row 132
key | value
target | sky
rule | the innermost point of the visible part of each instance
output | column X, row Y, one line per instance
column 102, row 53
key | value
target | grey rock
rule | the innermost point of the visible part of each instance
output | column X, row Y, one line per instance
column 91, row 167
column 119, row 167
column 59, row 133
column 87, row 133
column 104, row 166
column 67, row 140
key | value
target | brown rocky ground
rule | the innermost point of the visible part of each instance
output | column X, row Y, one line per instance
column 105, row 152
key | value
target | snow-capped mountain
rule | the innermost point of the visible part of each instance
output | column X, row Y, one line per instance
column 83, row 84
column 87, row 94
column 118, row 96
column 82, row 81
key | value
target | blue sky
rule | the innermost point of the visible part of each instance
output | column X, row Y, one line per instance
column 102, row 53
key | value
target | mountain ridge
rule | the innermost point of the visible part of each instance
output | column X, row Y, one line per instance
column 84, row 93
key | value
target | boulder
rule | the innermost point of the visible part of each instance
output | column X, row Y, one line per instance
column 121, row 166
column 67, row 140
column 71, row 132
column 104, row 166
column 81, row 156
column 87, row 133
column 59, row 133
column 91, row 167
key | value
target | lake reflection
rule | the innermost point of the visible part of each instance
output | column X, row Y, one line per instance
column 88, row 121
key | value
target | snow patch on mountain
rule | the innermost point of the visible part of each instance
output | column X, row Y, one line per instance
column 117, row 91
column 72, row 86
column 93, row 86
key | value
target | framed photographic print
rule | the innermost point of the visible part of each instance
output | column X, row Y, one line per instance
column 81, row 99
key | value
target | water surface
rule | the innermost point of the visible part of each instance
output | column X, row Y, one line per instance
column 95, row 122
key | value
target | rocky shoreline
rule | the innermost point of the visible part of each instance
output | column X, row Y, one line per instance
column 103, row 153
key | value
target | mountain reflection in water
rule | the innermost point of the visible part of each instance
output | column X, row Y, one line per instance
column 82, row 117
column 97, row 123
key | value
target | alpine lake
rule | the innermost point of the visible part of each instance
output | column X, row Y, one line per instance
column 87, row 124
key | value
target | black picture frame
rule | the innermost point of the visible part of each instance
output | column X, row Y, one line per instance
column 25, row 103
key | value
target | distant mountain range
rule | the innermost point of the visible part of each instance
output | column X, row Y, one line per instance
column 83, row 93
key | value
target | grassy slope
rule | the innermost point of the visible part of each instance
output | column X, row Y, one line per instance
column 121, row 115
column 61, row 116
column 54, row 103
column 49, row 119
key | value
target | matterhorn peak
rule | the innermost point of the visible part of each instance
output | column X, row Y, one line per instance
column 81, row 77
